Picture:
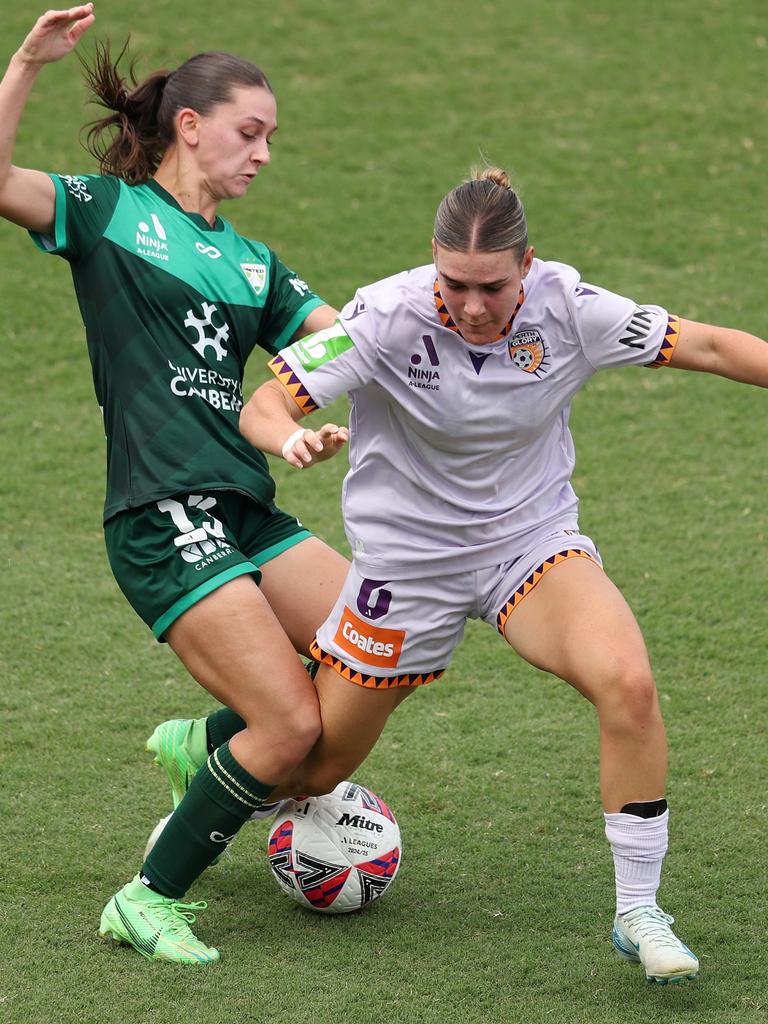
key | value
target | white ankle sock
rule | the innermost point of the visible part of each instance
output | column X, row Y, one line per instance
column 638, row 846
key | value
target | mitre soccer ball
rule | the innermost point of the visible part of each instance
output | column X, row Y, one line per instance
column 335, row 853
column 154, row 835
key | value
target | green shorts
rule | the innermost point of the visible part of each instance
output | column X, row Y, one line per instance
column 167, row 555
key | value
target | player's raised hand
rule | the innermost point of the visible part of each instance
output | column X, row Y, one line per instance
column 306, row 447
column 55, row 34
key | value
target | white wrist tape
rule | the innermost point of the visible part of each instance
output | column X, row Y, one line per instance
column 295, row 436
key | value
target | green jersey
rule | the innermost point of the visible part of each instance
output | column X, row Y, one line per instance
column 172, row 308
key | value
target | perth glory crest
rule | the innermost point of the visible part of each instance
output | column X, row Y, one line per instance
column 528, row 352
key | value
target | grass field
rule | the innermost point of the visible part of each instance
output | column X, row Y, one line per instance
column 638, row 136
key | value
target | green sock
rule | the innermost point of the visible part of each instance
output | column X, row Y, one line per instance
column 220, row 799
column 221, row 726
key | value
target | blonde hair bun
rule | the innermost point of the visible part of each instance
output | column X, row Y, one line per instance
column 495, row 174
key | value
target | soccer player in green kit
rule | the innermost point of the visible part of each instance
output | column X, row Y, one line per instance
column 173, row 302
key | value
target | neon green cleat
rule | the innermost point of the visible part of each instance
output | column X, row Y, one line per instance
column 179, row 746
column 156, row 926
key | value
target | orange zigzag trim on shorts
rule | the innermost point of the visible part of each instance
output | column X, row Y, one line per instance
column 372, row 682
column 667, row 349
column 291, row 382
column 528, row 584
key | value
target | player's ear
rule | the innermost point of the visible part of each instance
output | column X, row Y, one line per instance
column 187, row 122
column 528, row 259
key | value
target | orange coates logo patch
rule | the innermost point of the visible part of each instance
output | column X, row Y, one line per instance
column 365, row 642
column 528, row 352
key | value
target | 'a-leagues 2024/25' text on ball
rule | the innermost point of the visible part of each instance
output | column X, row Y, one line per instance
column 335, row 853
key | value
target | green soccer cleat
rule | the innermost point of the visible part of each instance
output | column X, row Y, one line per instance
column 179, row 746
column 644, row 936
column 156, row 926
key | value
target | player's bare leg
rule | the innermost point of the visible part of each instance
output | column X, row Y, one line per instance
column 232, row 643
column 301, row 586
column 576, row 624
column 353, row 718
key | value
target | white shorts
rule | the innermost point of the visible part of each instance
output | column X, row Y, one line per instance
column 384, row 633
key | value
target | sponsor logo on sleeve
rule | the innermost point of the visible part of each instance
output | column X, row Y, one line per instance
column 322, row 347
column 637, row 330
column 77, row 187
column 299, row 286
column 375, row 646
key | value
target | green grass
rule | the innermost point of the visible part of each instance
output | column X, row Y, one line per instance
column 637, row 134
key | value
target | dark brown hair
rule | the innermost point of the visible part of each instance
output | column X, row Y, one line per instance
column 484, row 214
column 130, row 141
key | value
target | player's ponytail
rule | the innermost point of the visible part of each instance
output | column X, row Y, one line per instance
column 130, row 141
column 484, row 214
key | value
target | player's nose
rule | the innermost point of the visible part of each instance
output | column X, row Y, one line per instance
column 260, row 153
column 474, row 305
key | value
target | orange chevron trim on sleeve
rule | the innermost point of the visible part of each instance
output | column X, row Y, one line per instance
column 292, row 384
column 667, row 349
column 530, row 582
column 371, row 682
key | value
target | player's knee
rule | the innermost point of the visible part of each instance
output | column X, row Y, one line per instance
column 324, row 777
column 286, row 739
column 629, row 694
column 297, row 739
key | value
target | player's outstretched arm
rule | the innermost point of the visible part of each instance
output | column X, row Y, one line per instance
column 318, row 320
column 28, row 197
column 721, row 350
column 269, row 420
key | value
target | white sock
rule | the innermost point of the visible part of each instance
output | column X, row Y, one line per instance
column 638, row 846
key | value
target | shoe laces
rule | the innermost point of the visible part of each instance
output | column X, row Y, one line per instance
column 652, row 923
column 177, row 917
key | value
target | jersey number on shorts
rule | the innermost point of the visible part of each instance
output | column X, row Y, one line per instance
column 380, row 606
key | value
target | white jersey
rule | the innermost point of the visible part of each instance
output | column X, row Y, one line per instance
column 460, row 454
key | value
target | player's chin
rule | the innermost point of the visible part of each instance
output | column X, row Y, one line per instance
column 238, row 186
column 479, row 335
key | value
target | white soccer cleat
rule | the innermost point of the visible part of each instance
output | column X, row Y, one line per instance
column 154, row 835
column 644, row 936
column 156, row 832
column 266, row 811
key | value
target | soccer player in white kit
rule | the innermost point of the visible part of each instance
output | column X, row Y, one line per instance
column 458, row 503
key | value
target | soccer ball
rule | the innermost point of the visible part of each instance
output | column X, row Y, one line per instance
column 335, row 853
column 154, row 835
